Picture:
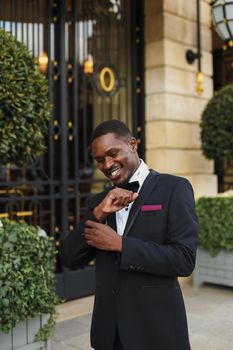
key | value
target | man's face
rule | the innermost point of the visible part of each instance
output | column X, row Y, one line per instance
column 116, row 157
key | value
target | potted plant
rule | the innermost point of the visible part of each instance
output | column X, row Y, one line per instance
column 217, row 131
column 215, row 253
column 217, row 126
column 27, row 281
column 27, row 286
column 24, row 107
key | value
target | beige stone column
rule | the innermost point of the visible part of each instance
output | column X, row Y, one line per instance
column 173, row 107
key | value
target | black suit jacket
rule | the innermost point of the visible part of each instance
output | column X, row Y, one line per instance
column 137, row 291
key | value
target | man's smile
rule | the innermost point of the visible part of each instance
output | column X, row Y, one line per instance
column 112, row 173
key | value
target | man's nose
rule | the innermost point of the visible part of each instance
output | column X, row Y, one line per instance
column 108, row 163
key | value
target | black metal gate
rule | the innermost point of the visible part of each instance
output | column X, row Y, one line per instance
column 92, row 54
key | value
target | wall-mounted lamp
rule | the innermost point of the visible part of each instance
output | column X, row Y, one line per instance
column 88, row 65
column 222, row 18
column 191, row 56
column 43, row 62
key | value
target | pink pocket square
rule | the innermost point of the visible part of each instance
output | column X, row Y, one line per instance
column 151, row 207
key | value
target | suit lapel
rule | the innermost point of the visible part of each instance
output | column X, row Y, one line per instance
column 146, row 189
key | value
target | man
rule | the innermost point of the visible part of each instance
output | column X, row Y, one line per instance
column 142, row 239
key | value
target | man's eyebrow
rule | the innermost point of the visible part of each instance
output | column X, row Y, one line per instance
column 109, row 151
column 114, row 149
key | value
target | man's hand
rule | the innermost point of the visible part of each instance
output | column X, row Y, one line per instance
column 115, row 200
column 102, row 236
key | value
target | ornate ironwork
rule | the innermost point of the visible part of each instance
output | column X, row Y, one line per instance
column 52, row 193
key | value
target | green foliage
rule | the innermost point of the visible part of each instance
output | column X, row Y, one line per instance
column 216, row 223
column 24, row 107
column 27, row 279
column 217, row 125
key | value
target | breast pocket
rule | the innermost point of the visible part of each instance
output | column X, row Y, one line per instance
column 150, row 226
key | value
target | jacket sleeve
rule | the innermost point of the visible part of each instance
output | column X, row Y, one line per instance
column 74, row 251
column 176, row 257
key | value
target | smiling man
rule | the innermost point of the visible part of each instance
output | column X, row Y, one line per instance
column 142, row 232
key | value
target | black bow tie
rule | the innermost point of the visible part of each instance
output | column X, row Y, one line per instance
column 131, row 186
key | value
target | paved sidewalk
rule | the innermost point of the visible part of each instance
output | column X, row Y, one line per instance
column 209, row 311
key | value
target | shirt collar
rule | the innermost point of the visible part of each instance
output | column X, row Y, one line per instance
column 140, row 174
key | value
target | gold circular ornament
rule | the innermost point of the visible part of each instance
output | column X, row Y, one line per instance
column 107, row 79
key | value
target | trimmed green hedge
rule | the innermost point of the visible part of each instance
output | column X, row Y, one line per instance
column 24, row 106
column 27, row 279
column 217, row 125
column 216, row 223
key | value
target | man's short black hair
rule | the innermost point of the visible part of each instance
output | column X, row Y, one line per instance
column 113, row 126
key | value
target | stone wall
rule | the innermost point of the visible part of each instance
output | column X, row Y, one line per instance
column 173, row 107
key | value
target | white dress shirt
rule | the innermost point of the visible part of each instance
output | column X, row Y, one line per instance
column 122, row 215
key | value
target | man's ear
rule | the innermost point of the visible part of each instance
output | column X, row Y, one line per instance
column 133, row 144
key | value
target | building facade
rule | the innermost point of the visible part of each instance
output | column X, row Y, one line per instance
column 173, row 106
column 121, row 59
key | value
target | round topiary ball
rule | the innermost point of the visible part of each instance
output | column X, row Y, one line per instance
column 217, row 126
column 24, row 106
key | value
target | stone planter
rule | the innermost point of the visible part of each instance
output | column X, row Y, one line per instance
column 22, row 336
column 217, row 269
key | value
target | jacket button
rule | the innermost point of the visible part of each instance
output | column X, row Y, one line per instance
column 114, row 291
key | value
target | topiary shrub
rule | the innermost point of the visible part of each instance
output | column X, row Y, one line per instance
column 27, row 280
column 24, row 106
column 216, row 223
column 217, row 126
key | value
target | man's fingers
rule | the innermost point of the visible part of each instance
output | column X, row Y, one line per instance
column 90, row 238
column 91, row 223
column 88, row 230
column 115, row 200
column 112, row 196
column 124, row 199
column 90, row 242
